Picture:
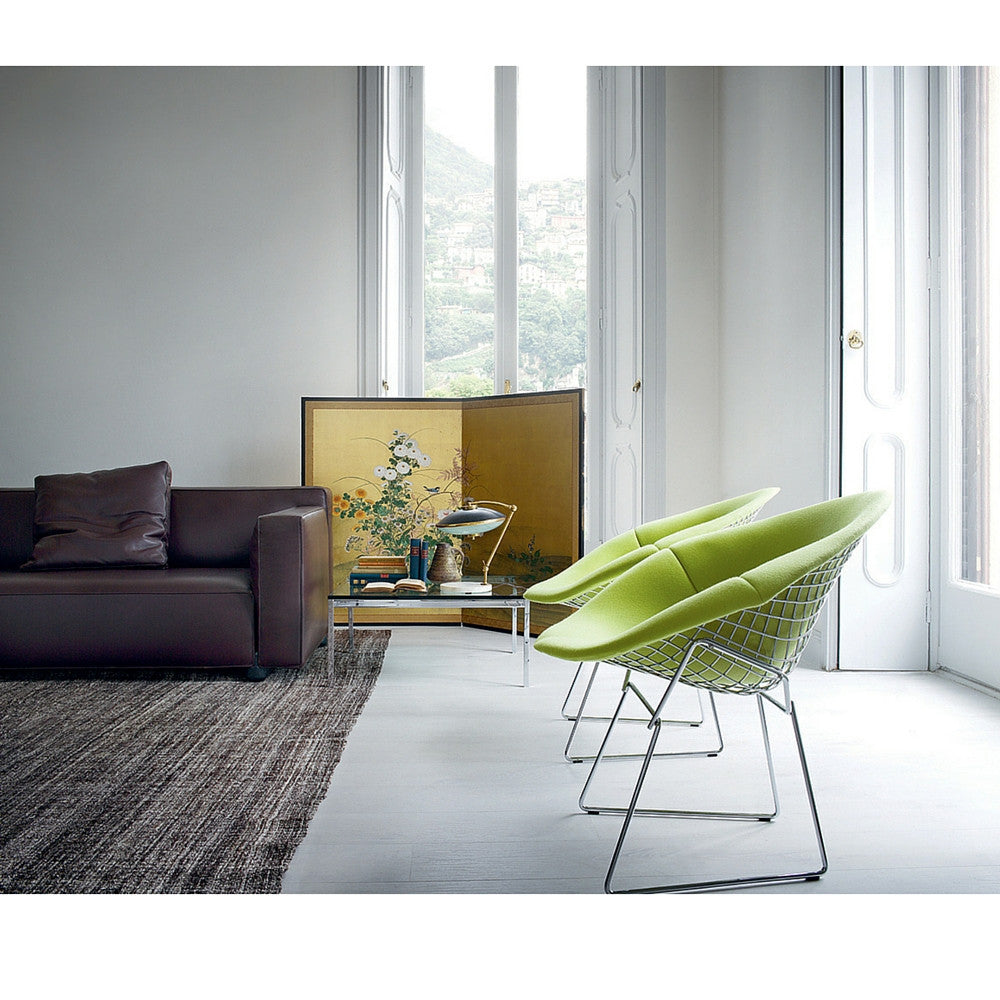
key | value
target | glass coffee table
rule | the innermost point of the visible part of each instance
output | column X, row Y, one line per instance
column 506, row 593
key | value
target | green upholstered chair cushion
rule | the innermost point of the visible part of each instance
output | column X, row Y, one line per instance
column 755, row 589
column 608, row 561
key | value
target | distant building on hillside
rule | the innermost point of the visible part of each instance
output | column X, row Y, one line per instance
column 472, row 277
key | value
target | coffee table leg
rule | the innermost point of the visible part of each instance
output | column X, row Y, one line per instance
column 330, row 641
column 527, row 638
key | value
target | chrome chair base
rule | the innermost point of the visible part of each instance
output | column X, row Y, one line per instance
column 574, row 716
column 812, row 875
column 578, row 758
column 617, row 717
column 655, row 726
column 632, row 810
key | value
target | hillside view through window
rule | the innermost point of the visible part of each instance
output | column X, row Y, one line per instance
column 459, row 263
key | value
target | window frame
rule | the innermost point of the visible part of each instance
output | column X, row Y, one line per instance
column 390, row 293
column 505, row 256
column 965, row 615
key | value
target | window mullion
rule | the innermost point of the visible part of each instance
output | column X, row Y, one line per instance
column 370, row 125
column 412, row 346
column 505, row 228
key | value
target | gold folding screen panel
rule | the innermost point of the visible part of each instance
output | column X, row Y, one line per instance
column 395, row 465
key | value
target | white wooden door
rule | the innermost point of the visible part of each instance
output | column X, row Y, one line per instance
column 884, row 591
column 967, row 167
column 614, row 290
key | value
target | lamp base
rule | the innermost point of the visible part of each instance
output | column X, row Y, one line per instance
column 466, row 587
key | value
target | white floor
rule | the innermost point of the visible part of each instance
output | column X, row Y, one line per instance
column 453, row 781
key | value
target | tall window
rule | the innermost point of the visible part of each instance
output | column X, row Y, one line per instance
column 979, row 333
column 503, row 289
column 552, row 228
column 459, row 286
column 505, row 236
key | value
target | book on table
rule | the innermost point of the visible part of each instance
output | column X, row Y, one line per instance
column 405, row 585
column 359, row 579
column 380, row 558
column 382, row 564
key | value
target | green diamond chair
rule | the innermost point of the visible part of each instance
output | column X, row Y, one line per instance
column 579, row 582
column 728, row 612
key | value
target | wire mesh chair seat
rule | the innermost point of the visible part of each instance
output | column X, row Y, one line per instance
column 775, row 634
column 578, row 584
column 688, row 618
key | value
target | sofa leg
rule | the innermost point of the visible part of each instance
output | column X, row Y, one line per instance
column 256, row 672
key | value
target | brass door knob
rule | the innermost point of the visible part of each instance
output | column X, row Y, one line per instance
column 855, row 341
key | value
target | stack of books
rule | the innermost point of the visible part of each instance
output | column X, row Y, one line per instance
column 391, row 569
column 379, row 569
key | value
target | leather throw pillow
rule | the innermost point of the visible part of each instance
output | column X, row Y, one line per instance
column 111, row 518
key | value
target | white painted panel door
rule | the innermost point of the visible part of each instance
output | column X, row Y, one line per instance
column 968, row 153
column 614, row 408
column 883, row 616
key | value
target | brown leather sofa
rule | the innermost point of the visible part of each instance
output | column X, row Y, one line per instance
column 245, row 585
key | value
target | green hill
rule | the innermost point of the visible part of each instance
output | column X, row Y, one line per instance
column 451, row 171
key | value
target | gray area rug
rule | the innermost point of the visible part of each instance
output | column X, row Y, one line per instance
column 170, row 781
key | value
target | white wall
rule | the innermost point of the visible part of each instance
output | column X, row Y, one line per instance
column 178, row 267
column 693, row 415
column 746, row 394
column 772, row 281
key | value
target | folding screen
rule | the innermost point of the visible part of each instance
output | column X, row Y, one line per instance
column 395, row 466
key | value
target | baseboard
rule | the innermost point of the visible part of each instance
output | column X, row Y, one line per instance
column 969, row 682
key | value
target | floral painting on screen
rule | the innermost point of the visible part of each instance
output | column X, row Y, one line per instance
column 404, row 498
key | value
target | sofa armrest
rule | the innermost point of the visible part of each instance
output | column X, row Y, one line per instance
column 290, row 574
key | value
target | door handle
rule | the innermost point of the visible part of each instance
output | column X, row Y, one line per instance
column 855, row 341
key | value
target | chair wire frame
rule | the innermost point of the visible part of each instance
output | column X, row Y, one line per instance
column 578, row 601
column 575, row 757
column 749, row 653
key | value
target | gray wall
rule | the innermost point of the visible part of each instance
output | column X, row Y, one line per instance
column 772, row 282
column 692, row 403
column 177, row 266
column 746, row 380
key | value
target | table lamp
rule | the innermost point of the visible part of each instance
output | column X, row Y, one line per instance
column 471, row 520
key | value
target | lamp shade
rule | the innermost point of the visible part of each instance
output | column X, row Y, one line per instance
column 471, row 521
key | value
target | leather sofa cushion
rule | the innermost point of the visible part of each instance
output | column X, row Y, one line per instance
column 196, row 583
column 125, row 617
column 110, row 518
